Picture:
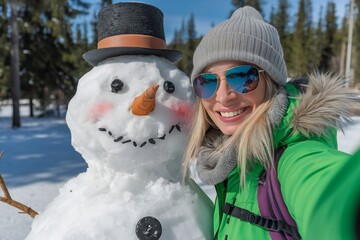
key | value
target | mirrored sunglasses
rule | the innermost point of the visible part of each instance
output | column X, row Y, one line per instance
column 242, row 79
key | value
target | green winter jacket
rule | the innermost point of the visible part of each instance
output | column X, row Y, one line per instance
column 313, row 174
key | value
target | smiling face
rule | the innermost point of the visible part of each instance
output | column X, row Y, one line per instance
column 100, row 116
column 226, row 108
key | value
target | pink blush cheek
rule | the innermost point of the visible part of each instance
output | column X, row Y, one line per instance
column 182, row 112
column 99, row 110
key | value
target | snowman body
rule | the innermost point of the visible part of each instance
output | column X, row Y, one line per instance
column 131, row 188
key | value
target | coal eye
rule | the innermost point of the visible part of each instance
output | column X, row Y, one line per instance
column 116, row 85
column 169, row 87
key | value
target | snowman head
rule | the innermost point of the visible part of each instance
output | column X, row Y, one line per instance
column 130, row 113
column 130, row 110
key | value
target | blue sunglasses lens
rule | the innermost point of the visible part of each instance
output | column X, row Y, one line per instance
column 205, row 85
column 242, row 79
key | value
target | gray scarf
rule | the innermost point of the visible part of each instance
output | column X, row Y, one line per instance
column 214, row 166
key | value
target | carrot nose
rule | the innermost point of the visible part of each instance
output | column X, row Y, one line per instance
column 145, row 103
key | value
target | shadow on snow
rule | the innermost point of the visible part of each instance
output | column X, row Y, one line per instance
column 39, row 151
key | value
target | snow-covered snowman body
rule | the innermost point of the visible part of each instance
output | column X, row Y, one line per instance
column 133, row 160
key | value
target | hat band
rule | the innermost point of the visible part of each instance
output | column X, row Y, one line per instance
column 132, row 40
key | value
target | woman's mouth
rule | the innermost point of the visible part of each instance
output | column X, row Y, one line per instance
column 233, row 113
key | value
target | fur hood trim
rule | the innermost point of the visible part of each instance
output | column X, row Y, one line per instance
column 325, row 103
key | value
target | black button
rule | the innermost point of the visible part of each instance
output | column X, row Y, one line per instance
column 148, row 228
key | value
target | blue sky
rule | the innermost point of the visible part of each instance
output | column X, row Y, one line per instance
column 208, row 12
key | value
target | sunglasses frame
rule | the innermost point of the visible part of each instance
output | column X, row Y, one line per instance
column 218, row 79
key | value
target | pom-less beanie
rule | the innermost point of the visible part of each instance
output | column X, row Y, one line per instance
column 244, row 37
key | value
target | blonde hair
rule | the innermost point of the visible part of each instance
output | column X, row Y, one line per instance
column 253, row 140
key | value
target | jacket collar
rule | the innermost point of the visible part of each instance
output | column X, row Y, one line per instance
column 318, row 107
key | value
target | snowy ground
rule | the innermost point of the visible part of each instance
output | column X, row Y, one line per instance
column 38, row 159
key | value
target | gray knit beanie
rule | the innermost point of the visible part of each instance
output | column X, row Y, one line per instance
column 244, row 37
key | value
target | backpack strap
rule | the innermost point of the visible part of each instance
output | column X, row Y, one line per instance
column 269, row 224
column 271, row 203
column 275, row 216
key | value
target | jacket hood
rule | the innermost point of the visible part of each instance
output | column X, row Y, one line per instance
column 318, row 106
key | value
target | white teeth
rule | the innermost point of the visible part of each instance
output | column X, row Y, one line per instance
column 232, row 114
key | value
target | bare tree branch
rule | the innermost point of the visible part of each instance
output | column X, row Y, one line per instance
column 7, row 198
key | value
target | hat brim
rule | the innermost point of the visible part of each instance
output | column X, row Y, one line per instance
column 94, row 57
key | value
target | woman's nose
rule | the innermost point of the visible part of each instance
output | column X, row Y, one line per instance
column 224, row 92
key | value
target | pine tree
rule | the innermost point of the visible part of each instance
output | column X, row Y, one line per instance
column 46, row 31
column 4, row 57
column 190, row 45
column 319, row 40
column 341, row 43
column 180, row 43
column 85, row 38
column 27, row 83
column 257, row 4
column 327, row 55
column 15, row 65
column 339, row 34
column 272, row 18
column 281, row 21
column 94, row 29
column 298, row 65
column 177, row 41
column 311, row 64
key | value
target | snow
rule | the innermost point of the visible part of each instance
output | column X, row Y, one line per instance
column 39, row 160
column 349, row 141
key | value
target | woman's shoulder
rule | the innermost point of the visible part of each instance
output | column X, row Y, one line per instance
column 344, row 192
column 310, row 162
column 312, row 150
column 316, row 179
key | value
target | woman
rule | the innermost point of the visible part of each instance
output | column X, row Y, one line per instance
column 246, row 111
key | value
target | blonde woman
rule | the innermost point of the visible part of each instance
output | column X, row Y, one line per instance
column 245, row 112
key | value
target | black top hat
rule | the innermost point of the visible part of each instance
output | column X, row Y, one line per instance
column 130, row 28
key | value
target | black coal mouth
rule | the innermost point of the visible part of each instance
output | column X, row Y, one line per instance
column 140, row 143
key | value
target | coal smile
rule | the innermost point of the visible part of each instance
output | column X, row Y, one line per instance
column 123, row 140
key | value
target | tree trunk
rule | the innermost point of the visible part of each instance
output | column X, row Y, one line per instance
column 57, row 104
column 31, row 106
column 15, row 79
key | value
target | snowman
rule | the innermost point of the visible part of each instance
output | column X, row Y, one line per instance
column 128, row 121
